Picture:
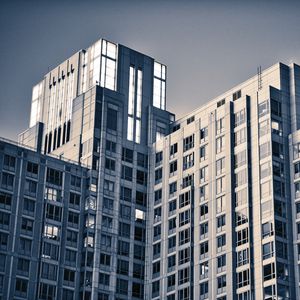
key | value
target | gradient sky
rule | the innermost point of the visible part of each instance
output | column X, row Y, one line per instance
column 208, row 46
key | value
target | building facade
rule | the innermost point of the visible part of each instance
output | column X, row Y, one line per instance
column 119, row 200
column 225, row 187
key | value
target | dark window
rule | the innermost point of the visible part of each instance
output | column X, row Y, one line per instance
column 112, row 119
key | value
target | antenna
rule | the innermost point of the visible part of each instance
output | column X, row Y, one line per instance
column 259, row 78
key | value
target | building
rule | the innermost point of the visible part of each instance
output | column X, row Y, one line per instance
column 103, row 108
column 225, row 196
column 118, row 200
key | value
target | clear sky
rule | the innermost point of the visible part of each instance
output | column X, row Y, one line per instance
column 208, row 46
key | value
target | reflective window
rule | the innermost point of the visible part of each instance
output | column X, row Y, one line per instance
column 159, row 86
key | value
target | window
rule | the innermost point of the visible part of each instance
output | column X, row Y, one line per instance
column 220, row 166
column 21, row 287
column 203, row 250
column 204, row 193
column 203, row 230
column 221, row 204
column 155, row 288
column 220, row 144
column 74, row 199
column 157, row 196
column 4, row 220
column 184, row 236
column 264, row 150
column 203, row 153
column 275, row 108
column 184, row 294
column 158, row 175
column 124, row 229
column 183, row 276
column 172, row 261
column 204, row 269
column 263, row 108
column 127, row 173
column 221, row 262
column 239, row 117
column 8, row 181
column 188, row 143
column 32, row 168
column 70, row 257
column 109, row 187
column 138, row 271
column 190, row 120
column 9, row 162
column 69, row 277
column 221, row 283
column 141, row 198
column 156, row 269
column 141, row 177
column 27, row 226
column 173, row 167
column 267, row 229
column 125, row 211
column 110, row 164
column 122, row 286
column 172, row 224
column 157, row 232
column 51, row 232
column 106, row 222
column 187, row 181
column 242, row 257
column 236, row 95
column 139, row 234
column 221, row 242
column 73, row 219
column 110, row 146
column 242, row 278
column 221, row 102
column 54, row 177
column 49, row 271
column 142, row 160
column 104, row 279
column 184, row 218
column 203, row 211
column 5, row 200
column 183, row 256
column 220, row 125
column 112, row 119
column 173, row 149
column 240, row 159
column 268, row 250
column 241, row 178
column 203, row 134
column 188, row 161
column 221, row 222
column 24, row 244
column 172, row 206
column 104, row 259
column 53, row 212
column 171, row 280
column 172, row 242
column 240, row 136
column 126, row 194
column 47, row 291
column 277, row 149
column 242, row 237
column 184, row 199
column 172, row 188
column 23, row 266
column 122, row 267
column 159, row 86
column 203, row 174
column 269, row 271
column 220, row 185
column 204, row 290
column 241, row 216
column 156, row 250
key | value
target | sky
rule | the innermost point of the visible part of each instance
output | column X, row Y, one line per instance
column 208, row 46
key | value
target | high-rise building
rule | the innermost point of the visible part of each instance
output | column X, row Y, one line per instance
column 223, row 220
column 119, row 200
